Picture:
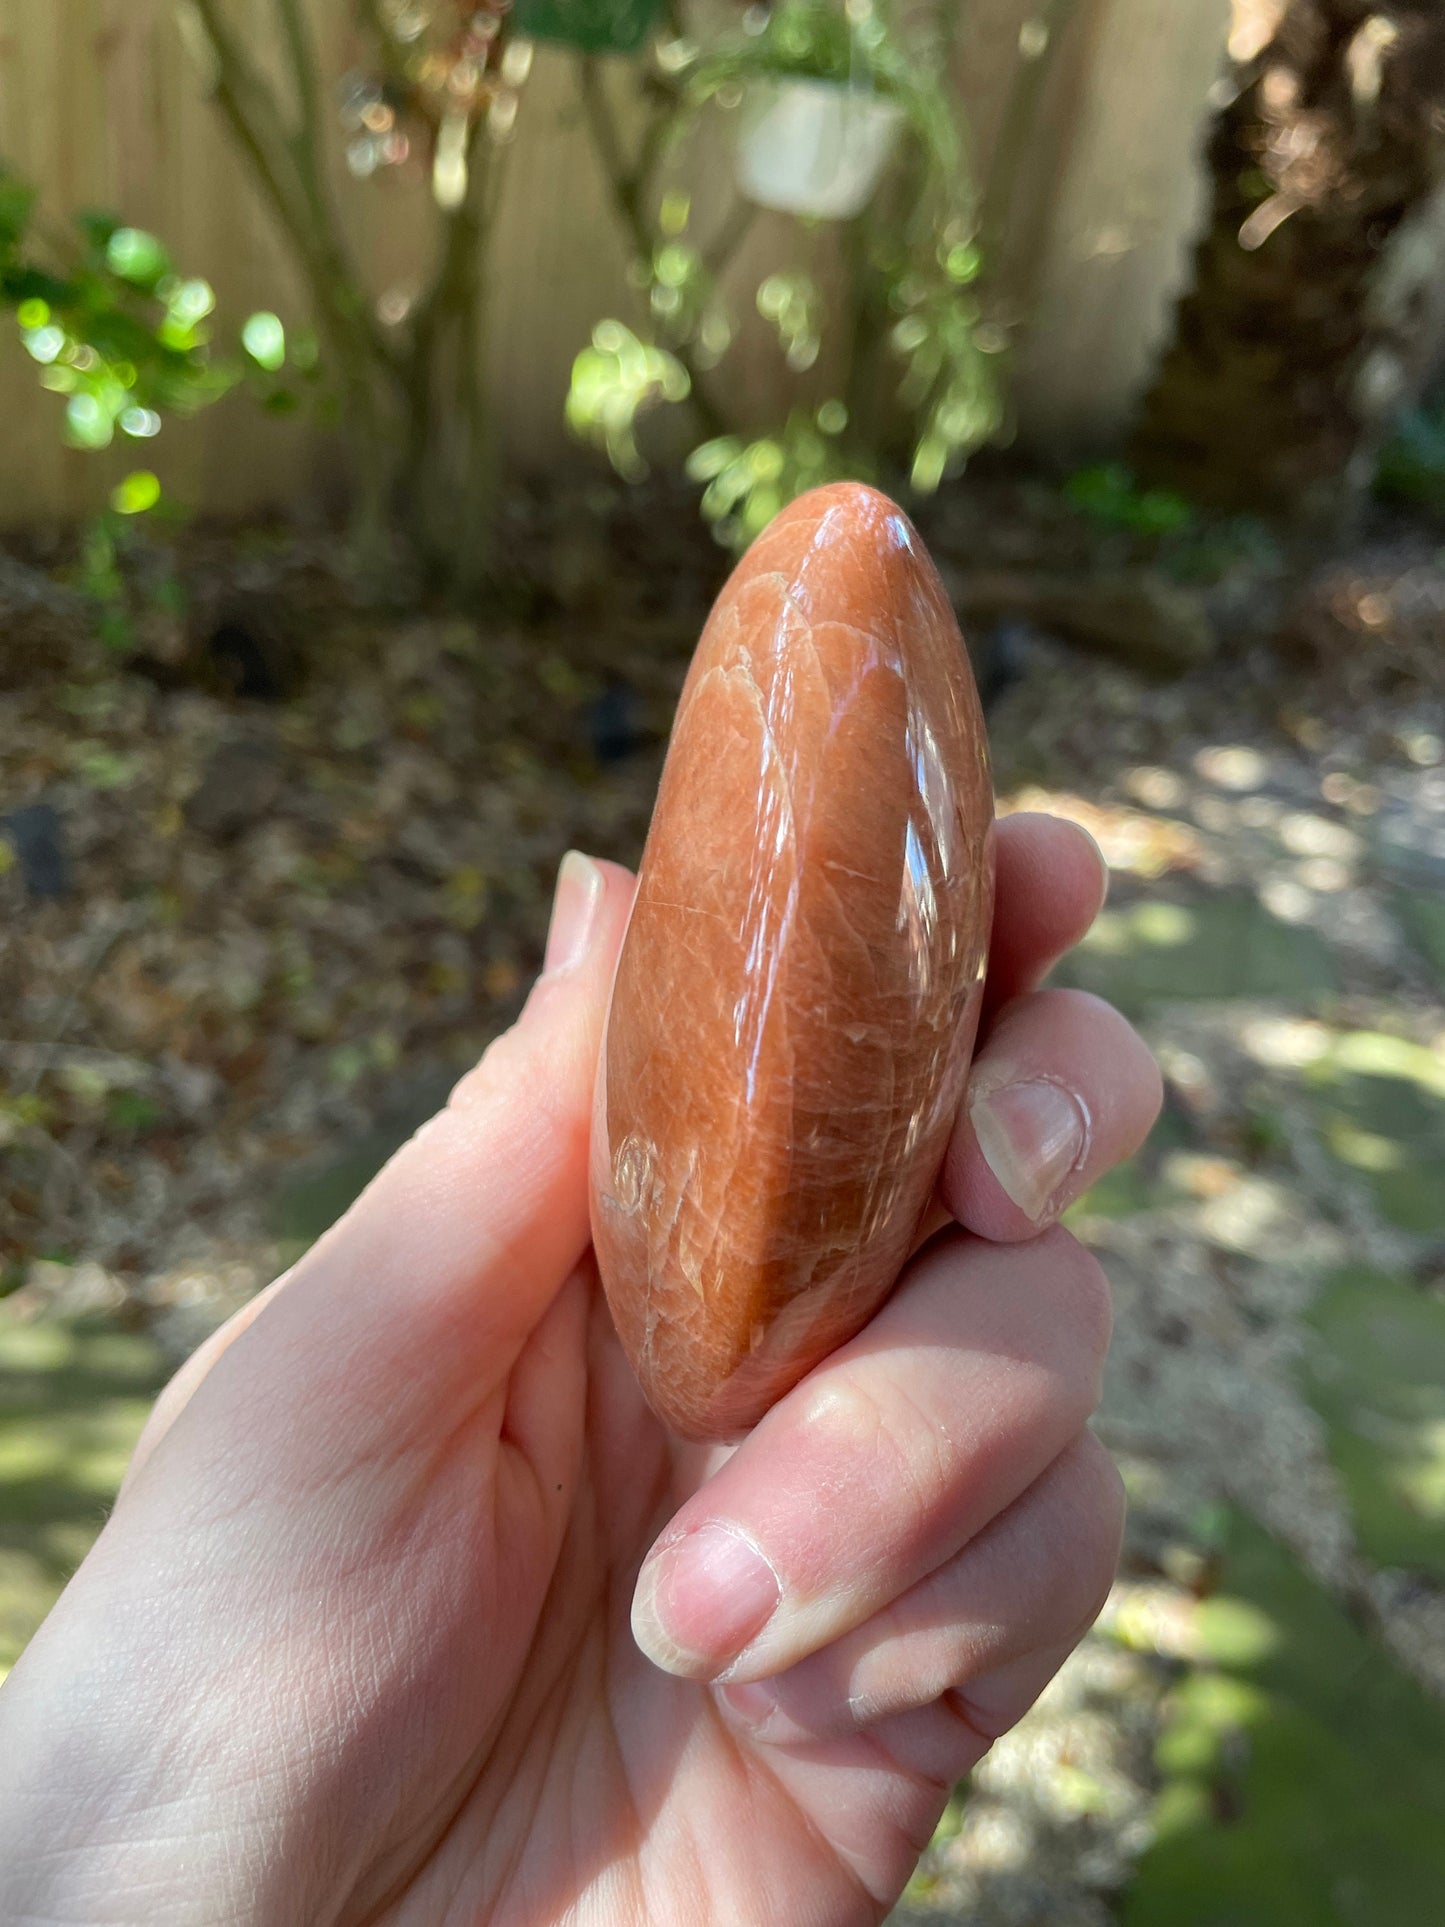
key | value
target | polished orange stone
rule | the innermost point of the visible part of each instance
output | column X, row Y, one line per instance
column 798, row 990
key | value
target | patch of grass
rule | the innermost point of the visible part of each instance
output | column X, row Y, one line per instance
column 1379, row 1102
column 1375, row 1372
column 1225, row 946
column 1423, row 918
column 1303, row 1770
column 1141, row 1182
column 73, row 1398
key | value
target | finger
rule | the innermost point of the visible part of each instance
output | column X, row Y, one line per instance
column 1051, row 882
column 1063, row 1089
column 985, row 1631
column 179, row 1390
column 884, row 1462
column 427, row 1287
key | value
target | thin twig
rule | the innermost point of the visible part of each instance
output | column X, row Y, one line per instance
column 298, row 197
column 718, row 254
column 297, row 36
column 393, row 59
column 54, row 1051
column 628, row 190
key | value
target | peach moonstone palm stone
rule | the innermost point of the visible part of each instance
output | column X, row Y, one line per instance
column 798, row 989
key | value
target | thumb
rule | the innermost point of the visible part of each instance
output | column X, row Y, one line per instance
column 432, row 1281
column 483, row 1214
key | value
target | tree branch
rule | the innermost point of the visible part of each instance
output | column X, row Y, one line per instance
column 392, row 58
column 628, row 189
column 730, row 236
column 291, row 181
column 299, row 45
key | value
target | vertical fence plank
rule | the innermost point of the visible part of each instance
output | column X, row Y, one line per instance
column 1122, row 219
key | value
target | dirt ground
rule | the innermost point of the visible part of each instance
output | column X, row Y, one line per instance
column 248, row 940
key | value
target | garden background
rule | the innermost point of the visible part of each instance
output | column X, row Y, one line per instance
column 327, row 625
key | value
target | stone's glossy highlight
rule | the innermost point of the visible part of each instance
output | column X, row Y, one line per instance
column 798, row 991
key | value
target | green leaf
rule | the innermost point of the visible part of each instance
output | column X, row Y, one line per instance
column 191, row 302
column 97, row 228
column 89, row 423
column 17, row 203
column 142, row 424
column 43, row 343
column 136, row 257
column 264, row 339
column 711, row 458
column 132, row 1110
column 963, row 263
column 137, row 494
column 1109, row 493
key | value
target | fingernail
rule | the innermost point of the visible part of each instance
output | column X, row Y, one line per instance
column 701, row 1600
column 574, row 913
column 1032, row 1135
column 1103, row 862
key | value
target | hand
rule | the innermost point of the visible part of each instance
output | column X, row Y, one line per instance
column 357, row 1641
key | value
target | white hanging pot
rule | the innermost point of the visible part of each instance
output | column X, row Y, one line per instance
column 814, row 146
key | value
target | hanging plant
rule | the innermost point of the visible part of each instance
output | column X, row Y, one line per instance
column 824, row 93
column 589, row 26
column 814, row 148
column 824, row 98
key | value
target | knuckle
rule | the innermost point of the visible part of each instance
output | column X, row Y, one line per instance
column 1086, row 1003
column 870, row 1419
column 1065, row 998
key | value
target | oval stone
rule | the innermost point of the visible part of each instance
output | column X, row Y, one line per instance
column 798, row 990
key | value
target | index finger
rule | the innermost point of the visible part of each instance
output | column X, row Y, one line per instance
column 883, row 1462
column 1051, row 884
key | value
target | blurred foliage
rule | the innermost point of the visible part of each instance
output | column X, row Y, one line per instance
column 808, row 40
column 131, row 579
column 435, row 88
column 73, row 1399
column 915, row 269
column 748, row 482
column 126, row 339
column 433, row 77
column 590, row 26
column 123, row 335
column 1376, row 1375
column 1303, row 1770
column 1109, row 494
column 1223, row 945
column 613, row 381
column 860, row 46
column 112, row 326
column 1412, row 464
column 1379, row 1103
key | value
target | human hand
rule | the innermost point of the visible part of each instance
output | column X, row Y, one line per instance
column 357, row 1641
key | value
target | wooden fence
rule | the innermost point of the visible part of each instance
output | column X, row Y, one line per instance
column 102, row 105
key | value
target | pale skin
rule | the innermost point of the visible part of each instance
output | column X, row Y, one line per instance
column 357, row 1643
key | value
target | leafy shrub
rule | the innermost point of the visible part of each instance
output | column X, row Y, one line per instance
column 1109, row 494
